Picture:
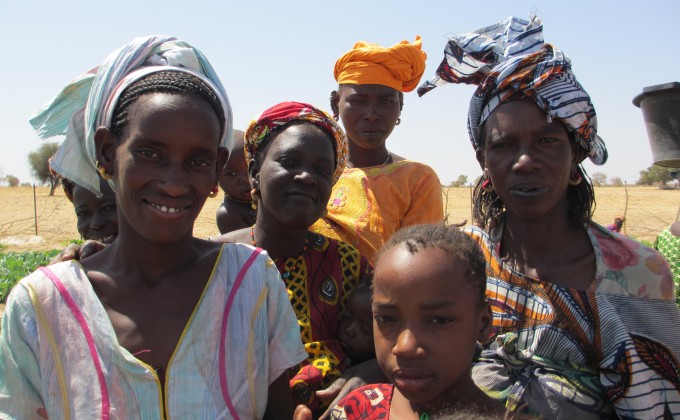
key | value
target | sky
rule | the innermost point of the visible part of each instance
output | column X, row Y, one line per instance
column 270, row 51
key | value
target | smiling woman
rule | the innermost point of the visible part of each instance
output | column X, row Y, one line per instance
column 295, row 154
column 159, row 324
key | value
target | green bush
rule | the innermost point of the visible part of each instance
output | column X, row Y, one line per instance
column 16, row 265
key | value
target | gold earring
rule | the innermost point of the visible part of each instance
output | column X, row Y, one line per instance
column 214, row 192
column 398, row 121
column 255, row 197
column 575, row 180
column 102, row 171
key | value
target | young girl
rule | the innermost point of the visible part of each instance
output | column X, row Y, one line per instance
column 429, row 310
column 97, row 217
column 159, row 324
column 379, row 192
column 237, row 210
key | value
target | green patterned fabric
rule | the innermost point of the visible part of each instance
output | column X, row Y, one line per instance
column 669, row 245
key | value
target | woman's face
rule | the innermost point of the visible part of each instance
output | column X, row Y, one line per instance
column 166, row 162
column 295, row 176
column 528, row 158
column 368, row 113
column 97, row 217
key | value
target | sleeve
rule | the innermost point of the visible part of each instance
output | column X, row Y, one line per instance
column 20, row 379
column 285, row 344
column 426, row 200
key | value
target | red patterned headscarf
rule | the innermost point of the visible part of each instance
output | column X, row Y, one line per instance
column 259, row 130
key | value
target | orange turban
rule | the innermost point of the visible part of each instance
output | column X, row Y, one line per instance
column 399, row 67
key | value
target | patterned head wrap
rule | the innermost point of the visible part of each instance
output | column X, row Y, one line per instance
column 259, row 130
column 399, row 67
column 88, row 102
column 510, row 61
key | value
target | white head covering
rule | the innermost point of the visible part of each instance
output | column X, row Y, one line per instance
column 88, row 102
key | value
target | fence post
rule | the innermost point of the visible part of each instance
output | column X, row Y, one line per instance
column 35, row 211
column 625, row 210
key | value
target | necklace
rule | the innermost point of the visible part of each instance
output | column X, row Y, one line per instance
column 389, row 158
column 282, row 263
column 235, row 200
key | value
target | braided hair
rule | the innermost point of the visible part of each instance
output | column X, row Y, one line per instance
column 176, row 82
column 460, row 247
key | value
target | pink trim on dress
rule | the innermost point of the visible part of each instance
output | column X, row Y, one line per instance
column 106, row 404
column 223, row 331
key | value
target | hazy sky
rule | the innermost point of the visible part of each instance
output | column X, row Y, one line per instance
column 266, row 52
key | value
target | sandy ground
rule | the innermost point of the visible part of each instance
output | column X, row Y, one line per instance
column 649, row 210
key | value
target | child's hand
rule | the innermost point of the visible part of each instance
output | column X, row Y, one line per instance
column 302, row 412
column 364, row 373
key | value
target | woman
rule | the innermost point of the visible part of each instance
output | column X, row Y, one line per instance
column 584, row 318
column 379, row 192
column 295, row 154
column 158, row 324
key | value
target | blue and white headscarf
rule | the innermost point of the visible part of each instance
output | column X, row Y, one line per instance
column 509, row 61
column 88, row 102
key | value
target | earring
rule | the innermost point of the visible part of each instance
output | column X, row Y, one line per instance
column 398, row 121
column 575, row 180
column 214, row 192
column 255, row 196
column 325, row 213
column 335, row 117
column 102, row 171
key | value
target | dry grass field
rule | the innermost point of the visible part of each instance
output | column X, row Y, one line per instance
column 649, row 211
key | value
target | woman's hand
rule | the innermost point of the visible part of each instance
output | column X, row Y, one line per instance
column 364, row 373
column 78, row 252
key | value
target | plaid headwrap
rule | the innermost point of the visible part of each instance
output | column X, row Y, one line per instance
column 510, row 61
column 259, row 130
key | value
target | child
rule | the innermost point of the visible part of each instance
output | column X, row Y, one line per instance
column 429, row 310
column 356, row 326
column 97, row 217
column 237, row 210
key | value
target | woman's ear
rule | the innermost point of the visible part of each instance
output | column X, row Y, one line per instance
column 254, row 173
column 106, row 144
column 486, row 319
column 481, row 158
column 222, row 157
column 335, row 99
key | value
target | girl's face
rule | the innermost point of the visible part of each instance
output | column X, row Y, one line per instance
column 427, row 320
column 295, row 176
column 97, row 217
column 368, row 113
column 528, row 159
column 165, row 163
column 234, row 176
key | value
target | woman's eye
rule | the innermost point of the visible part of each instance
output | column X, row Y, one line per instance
column 383, row 319
column 286, row 162
column 440, row 320
column 199, row 163
column 548, row 140
column 148, row 153
column 110, row 208
column 82, row 214
column 325, row 171
column 231, row 173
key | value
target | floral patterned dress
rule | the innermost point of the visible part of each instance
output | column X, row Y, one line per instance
column 608, row 351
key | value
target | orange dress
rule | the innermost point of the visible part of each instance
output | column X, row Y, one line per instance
column 368, row 205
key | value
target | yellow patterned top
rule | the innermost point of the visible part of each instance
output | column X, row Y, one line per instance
column 368, row 205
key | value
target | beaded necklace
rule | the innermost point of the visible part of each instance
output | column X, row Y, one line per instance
column 236, row 200
column 299, row 260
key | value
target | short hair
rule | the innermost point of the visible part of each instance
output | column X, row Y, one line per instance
column 167, row 81
column 460, row 247
column 487, row 206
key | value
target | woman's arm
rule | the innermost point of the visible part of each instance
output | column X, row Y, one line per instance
column 279, row 403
